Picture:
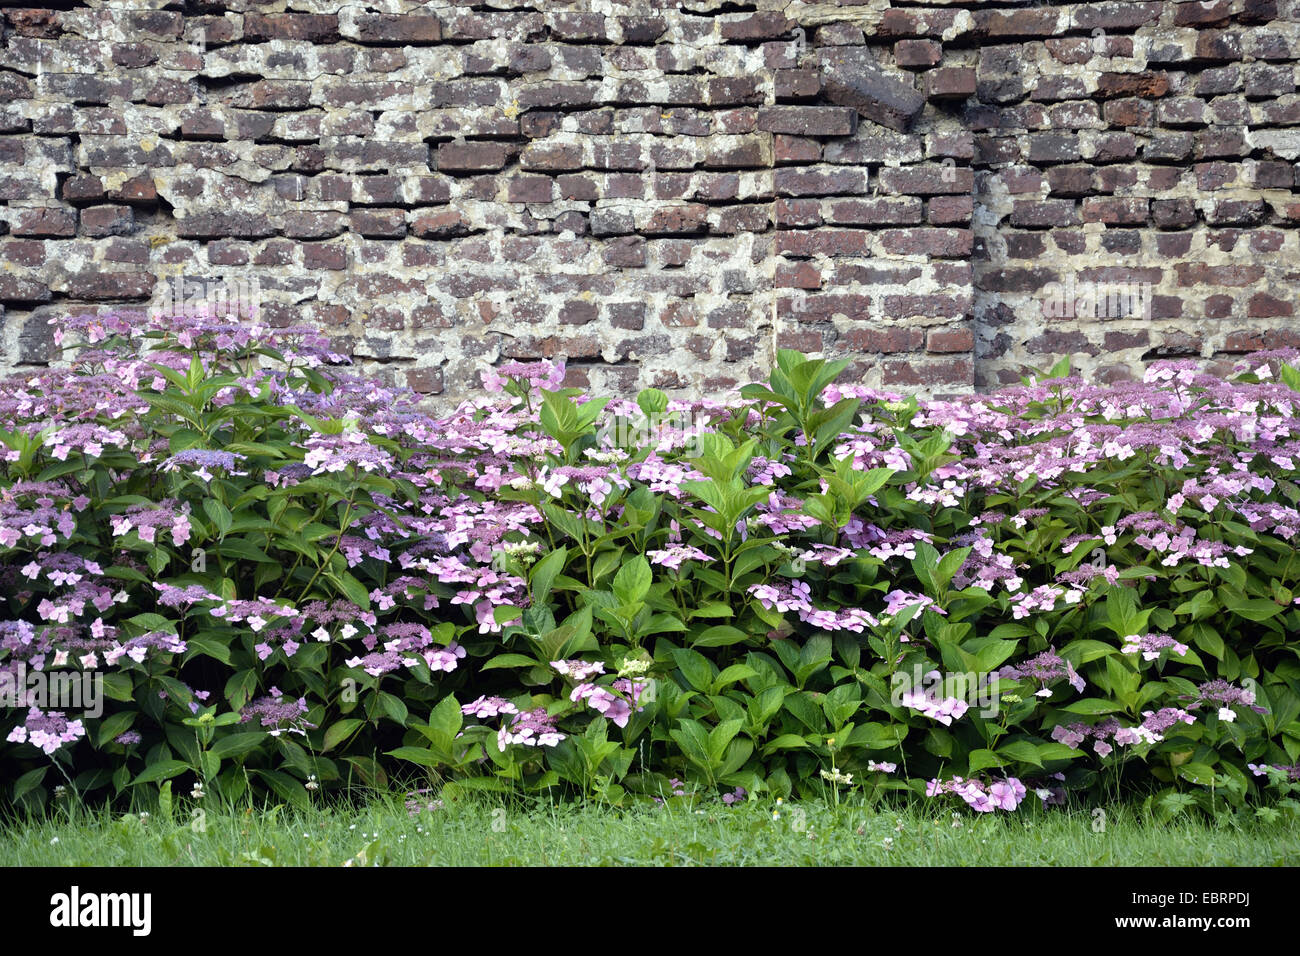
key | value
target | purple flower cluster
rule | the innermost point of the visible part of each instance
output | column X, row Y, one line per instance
column 1150, row 645
column 277, row 713
column 531, row 728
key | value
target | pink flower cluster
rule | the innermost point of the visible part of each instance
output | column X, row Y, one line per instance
column 48, row 730
column 1005, row 794
column 944, row 711
column 613, row 703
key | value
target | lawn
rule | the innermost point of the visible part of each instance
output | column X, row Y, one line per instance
column 759, row 833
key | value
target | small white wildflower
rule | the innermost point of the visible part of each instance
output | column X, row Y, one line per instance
column 834, row 776
column 633, row 667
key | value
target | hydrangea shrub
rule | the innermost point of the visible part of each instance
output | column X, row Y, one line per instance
column 283, row 575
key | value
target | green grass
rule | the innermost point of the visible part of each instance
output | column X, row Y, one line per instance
column 809, row 834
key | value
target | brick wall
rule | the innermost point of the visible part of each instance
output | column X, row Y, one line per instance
column 663, row 193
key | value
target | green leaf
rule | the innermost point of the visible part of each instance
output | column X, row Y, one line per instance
column 447, row 718
column 1092, row 705
column 729, row 676
column 356, row 591
column 220, row 515
column 980, row 759
column 694, row 741
column 118, row 686
column 510, row 660
column 652, row 402
column 1253, row 609
column 28, row 782
column 1022, row 751
column 393, row 707
column 720, row 635
column 285, row 787
column 340, row 731
column 114, row 725
column 695, row 667
column 543, row 574
column 161, row 770
column 420, row 755
column 632, row 583
column 236, row 745
column 722, row 735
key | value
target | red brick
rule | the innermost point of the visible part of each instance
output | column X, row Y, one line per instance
column 551, row 157
column 111, row 285
column 1114, row 211
column 1019, row 23
column 928, row 373
column 406, row 29
column 16, row 289
column 224, row 252
column 950, row 83
column 1218, row 45
column 888, row 340
column 875, row 212
column 756, row 26
column 842, row 242
column 796, row 149
column 313, row 28
column 797, row 84
column 949, row 210
column 324, row 255
column 808, row 120
column 83, row 187
column 670, row 220
column 440, row 224
column 802, row 275
column 927, row 180
column 578, row 312
column 472, row 157
column 1042, row 214
column 925, row 306
column 530, row 189
column 1265, row 306
column 823, row 181
column 379, row 223
column 950, row 340
column 1218, row 306
column 1192, row 14
column 1130, row 111
column 917, row 53
column 1115, row 15
column 50, row 223
column 1233, row 276
column 314, row 225
column 940, row 243
column 27, row 252
column 107, row 221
